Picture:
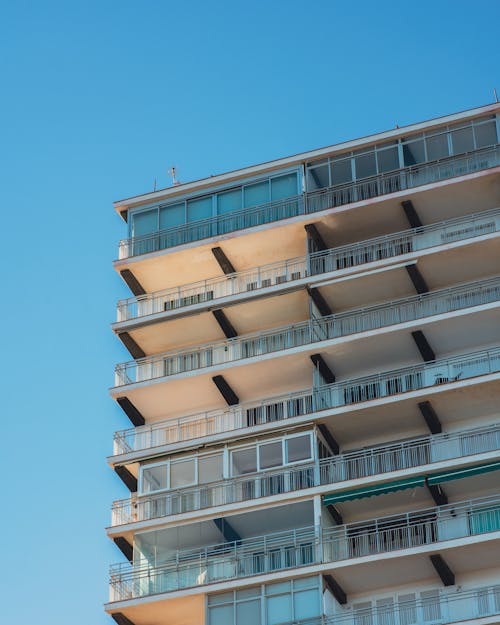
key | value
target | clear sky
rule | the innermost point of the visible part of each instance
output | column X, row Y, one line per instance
column 98, row 98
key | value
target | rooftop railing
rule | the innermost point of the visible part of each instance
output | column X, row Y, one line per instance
column 309, row 332
column 312, row 202
column 304, row 547
column 343, row 467
column 441, row 371
column 346, row 256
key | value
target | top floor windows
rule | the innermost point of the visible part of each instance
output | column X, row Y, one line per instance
column 277, row 187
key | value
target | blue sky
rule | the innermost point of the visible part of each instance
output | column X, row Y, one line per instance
column 98, row 98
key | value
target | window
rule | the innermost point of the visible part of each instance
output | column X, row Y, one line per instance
column 271, row 455
column 283, row 187
column 144, row 222
column 366, row 165
column 154, row 478
column 414, row 152
column 388, row 159
column 341, row 171
column 200, row 208
column 229, row 201
column 172, row 215
column 256, row 194
column 182, row 473
column 210, row 469
column 298, row 448
column 244, row 461
column 462, row 140
column 485, row 134
column 437, row 147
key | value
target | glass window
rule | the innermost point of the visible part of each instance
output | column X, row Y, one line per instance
column 229, row 201
column 270, row 455
column 222, row 615
column 248, row 613
column 298, row 448
column 244, row 461
column 172, row 215
column 279, row 609
column 306, row 604
column 365, row 165
column 283, row 186
column 200, row 208
column 210, row 469
column 182, row 473
column 388, row 159
column 318, row 177
column 486, row 134
column 145, row 222
column 154, row 478
column 278, row 588
column 414, row 152
column 256, row 194
column 462, row 140
column 437, row 147
column 341, row 171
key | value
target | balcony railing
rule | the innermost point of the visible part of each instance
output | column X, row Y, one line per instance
column 383, row 184
column 308, row 401
column 354, row 254
column 304, row 547
column 310, row 332
column 340, row 468
column 439, row 607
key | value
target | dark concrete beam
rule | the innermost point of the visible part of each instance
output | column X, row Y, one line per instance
column 423, row 346
column 335, row 589
column 224, row 323
column 121, row 619
column 316, row 238
column 417, row 279
column 124, row 215
column 430, row 416
column 225, row 390
column 225, row 528
column 134, row 349
column 127, row 478
column 125, row 547
column 330, row 440
column 335, row 514
column 411, row 214
column 326, row 373
column 438, row 494
column 319, row 300
column 224, row 262
column 443, row 570
column 132, row 282
column 131, row 411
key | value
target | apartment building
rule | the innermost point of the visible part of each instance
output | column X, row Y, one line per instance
column 313, row 388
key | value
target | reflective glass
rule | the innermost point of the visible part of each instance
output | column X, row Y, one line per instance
column 318, row 177
column 283, row 186
column 145, row 222
column 414, row 152
column 270, row 455
column 210, row 469
column 298, row 448
column 279, row 609
column 388, row 159
column 154, row 478
column 229, row 201
column 437, row 147
column 248, row 613
column 462, row 140
column 256, row 194
column 221, row 616
column 173, row 215
column 365, row 165
column 223, row 597
column 486, row 134
column 306, row 604
column 182, row 473
column 199, row 209
column 244, row 461
column 341, row 171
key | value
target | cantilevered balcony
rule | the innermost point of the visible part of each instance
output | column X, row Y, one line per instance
column 310, row 332
column 313, row 202
column 308, row 546
column 343, row 468
column 306, row 403
column 307, row 270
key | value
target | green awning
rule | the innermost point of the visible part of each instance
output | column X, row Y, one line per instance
column 456, row 474
column 370, row 491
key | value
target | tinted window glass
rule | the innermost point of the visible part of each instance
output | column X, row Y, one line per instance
column 244, row 461
column 486, row 134
column 256, row 194
column 365, row 165
column 229, row 201
column 210, row 469
column 182, row 473
column 199, row 209
column 414, row 152
column 388, row 159
column 154, row 478
column 145, row 222
column 341, row 171
column 172, row 215
column 462, row 140
column 437, row 147
column 270, row 455
column 284, row 186
column 318, row 177
column 298, row 448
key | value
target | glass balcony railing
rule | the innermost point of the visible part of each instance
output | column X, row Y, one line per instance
column 435, row 607
column 309, row 332
column 337, row 469
column 307, row 546
column 354, row 254
column 308, row 401
column 313, row 202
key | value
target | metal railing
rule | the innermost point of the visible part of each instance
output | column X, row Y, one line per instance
column 340, row 468
column 312, row 202
column 372, row 250
column 303, row 547
column 309, row 332
column 308, row 401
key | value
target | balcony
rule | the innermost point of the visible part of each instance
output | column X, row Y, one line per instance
column 308, row 402
column 313, row 202
column 338, row 469
column 305, row 547
column 283, row 274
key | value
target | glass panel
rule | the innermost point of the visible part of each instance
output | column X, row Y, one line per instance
column 244, row 461
column 248, row 613
column 365, row 165
column 223, row 597
column 256, row 194
column 341, row 171
column 462, row 140
column 248, row 593
column 305, row 582
column 306, row 604
column 210, row 469
column 172, row 215
column 221, row 616
column 270, row 455
column 486, row 134
column 414, row 152
column 229, row 201
column 182, row 473
column 276, row 589
column 154, row 478
column 388, row 160
column 279, row 609
column 145, row 222
column 200, row 208
column 318, row 177
column 437, row 147
column 298, row 448
column 284, row 186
